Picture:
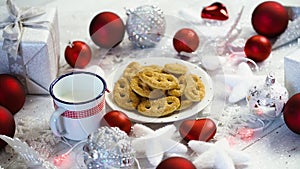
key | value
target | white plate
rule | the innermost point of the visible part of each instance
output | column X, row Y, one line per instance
column 135, row 116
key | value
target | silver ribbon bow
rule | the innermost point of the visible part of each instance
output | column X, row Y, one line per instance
column 13, row 28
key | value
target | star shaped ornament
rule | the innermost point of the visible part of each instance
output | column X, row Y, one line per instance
column 154, row 144
column 218, row 155
column 240, row 83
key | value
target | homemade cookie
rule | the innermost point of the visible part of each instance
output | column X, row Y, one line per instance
column 175, row 68
column 158, row 80
column 178, row 92
column 184, row 104
column 154, row 68
column 195, row 89
column 159, row 107
column 131, row 70
column 124, row 96
column 142, row 89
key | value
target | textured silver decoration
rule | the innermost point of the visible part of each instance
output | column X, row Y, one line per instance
column 109, row 147
column 145, row 25
column 267, row 100
column 292, row 32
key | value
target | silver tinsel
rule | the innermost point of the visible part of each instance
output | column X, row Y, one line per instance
column 267, row 100
column 145, row 25
column 109, row 147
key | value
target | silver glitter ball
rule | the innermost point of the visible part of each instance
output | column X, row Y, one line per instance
column 145, row 25
column 108, row 147
column 267, row 100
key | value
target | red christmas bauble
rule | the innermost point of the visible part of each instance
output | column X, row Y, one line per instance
column 270, row 19
column 107, row 30
column 186, row 40
column 78, row 54
column 116, row 118
column 258, row 48
column 7, row 125
column 200, row 129
column 176, row 163
column 291, row 113
column 12, row 93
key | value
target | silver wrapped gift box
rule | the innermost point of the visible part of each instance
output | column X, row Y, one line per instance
column 38, row 53
column 292, row 72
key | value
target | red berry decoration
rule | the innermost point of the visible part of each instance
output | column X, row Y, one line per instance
column 291, row 113
column 258, row 48
column 116, row 118
column 107, row 30
column 78, row 54
column 186, row 40
column 7, row 125
column 270, row 19
column 176, row 163
column 12, row 93
column 200, row 129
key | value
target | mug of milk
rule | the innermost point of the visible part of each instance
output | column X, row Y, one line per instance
column 79, row 99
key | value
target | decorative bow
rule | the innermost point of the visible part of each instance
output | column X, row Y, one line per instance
column 13, row 28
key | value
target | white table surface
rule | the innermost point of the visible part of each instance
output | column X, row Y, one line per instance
column 277, row 147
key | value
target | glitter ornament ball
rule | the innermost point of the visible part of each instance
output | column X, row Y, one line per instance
column 108, row 147
column 116, row 118
column 107, row 30
column 270, row 19
column 78, row 54
column 291, row 113
column 267, row 100
column 186, row 40
column 258, row 48
column 145, row 25
column 12, row 93
column 7, row 125
column 176, row 163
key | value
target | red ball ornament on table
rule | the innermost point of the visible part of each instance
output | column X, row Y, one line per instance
column 7, row 125
column 291, row 113
column 200, row 129
column 78, row 54
column 270, row 19
column 215, row 11
column 186, row 40
column 107, row 30
column 176, row 163
column 117, row 118
column 12, row 93
column 258, row 48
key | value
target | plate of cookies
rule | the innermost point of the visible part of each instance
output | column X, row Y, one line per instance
column 159, row 89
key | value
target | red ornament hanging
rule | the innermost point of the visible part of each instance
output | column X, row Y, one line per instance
column 186, row 40
column 291, row 113
column 116, row 118
column 7, row 125
column 107, row 30
column 200, row 129
column 12, row 93
column 258, row 48
column 78, row 54
column 176, row 163
column 215, row 11
column 270, row 19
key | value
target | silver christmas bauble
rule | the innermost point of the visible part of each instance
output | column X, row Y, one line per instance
column 145, row 25
column 267, row 100
column 108, row 147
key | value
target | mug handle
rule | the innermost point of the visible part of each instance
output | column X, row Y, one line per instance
column 55, row 122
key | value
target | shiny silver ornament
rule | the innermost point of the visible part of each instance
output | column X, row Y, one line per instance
column 108, row 147
column 145, row 25
column 267, row 100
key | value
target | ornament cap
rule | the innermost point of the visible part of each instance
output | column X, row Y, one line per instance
column 270, row 79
